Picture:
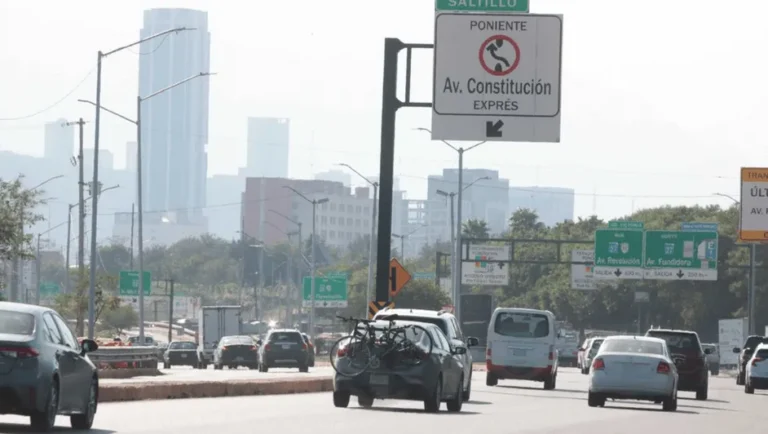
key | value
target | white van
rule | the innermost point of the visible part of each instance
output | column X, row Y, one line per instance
column 521, row 346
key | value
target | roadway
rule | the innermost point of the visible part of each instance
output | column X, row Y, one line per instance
column 511, row 407
column 185, row 373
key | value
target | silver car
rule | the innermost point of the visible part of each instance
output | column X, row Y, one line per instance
column 634, row 368
column 713, row 357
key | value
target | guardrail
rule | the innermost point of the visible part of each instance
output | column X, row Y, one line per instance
column 176, row 327
column 125, row 357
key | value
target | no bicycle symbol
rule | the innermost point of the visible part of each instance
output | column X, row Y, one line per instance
column 499, row 55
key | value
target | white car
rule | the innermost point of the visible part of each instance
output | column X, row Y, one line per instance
column 757, row 370
column 636, row 368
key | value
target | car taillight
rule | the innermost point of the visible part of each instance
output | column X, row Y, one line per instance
column 756, row 360
column 254, row 348
column 224, row 348
column 304, row 347
column 341, row 352
column 598, row 364
column 19, row 352
column 267, row 347
column 663, row 368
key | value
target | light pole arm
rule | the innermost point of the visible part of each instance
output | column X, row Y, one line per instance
column 299, row 193
column 178, row 83
column 375, row 184
column 148, row 38
column 125, row 118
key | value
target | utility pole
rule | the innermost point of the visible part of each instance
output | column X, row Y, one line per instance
column 80, row 210
column 133, row 219
column 170, row 313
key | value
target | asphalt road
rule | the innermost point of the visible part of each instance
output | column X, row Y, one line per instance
column 185, row 373
column 511, row 407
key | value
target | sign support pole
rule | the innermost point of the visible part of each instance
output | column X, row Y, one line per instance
column 751, row 303
column 389, row 106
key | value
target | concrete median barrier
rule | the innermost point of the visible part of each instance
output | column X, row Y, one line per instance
column 210, row 389
column 128, row 373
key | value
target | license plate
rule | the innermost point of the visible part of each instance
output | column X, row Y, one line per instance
column 286, row 346
column 379, row 380
column 183, row 356
column 518, row 352
column 238, row 359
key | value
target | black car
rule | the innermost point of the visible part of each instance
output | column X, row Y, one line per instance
column 310, row 349
column 438, row 378
column 690, row 360
column 44, row 371
column 235, row 351
column 745, row 353
column 180, row 353
column 283, row 348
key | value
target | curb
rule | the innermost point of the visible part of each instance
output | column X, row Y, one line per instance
column 210, row 389
column 118, row 374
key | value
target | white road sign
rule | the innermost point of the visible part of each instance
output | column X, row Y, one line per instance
column 484, row 273
column 489, row 252
column 582, row 275
column 497, row 77
column 754, row 204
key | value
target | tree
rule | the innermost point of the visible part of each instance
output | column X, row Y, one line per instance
column 119, row 319
column 75, row 305
column 474, row 228
column 17, row 206
column 422, row 294
column 115, row 258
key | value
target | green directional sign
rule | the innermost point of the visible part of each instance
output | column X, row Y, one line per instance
column 618, row 254
column 680, row 255
column 329, row 291
column 49, row 289
column 129, row 283
column 520, row 6
column 424, row 275
column 626, row 225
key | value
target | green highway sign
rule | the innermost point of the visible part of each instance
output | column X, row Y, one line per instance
column 520, row 6
column 49, row 288
column 129, row 283
column 618, row 254
column 329, row 291
column 424, row 275
column 625, row 225
column 680, row 255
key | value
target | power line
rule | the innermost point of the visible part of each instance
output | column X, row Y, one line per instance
column 19, row 118
column 160, row 44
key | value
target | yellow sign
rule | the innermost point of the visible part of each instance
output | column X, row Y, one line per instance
column 753, row 224
column 376, row 306
column 398, row 277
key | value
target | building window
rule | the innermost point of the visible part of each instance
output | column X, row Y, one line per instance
column 324, row 234
column 333, row 220
column 357, row 223
column 324, row 220
column 367, row 209
column 349, row 221
column 333, row 207
column 324, row 206
column 366, row 222
column 350, row 209
column 359, row 209
column 332, row 235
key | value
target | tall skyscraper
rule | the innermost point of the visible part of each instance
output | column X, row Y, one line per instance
column 175, row 123
column 268, row 147
column 59, row 140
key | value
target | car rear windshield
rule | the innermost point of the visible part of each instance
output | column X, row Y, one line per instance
column 753, row 342
column 678, row 341
column 293, row 337
column 182, row 346
column 429, row 320
column 16, row 323
column 632, row 346
column 521, row 325
column 596, row 344
column 763, row 354
column 237, row 340
column 710, row 347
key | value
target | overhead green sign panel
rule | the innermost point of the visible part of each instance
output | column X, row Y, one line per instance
column 329, row 291
column 519, row 6
column 678, row 255
column 618, row 254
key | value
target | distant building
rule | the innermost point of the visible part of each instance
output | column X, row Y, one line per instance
column 552, row 204
column 130, row 156
column 268, row 147
column 335, row 176
column 223, row 212
column 59, row 140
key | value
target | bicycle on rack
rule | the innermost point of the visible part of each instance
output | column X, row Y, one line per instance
column 371, row 344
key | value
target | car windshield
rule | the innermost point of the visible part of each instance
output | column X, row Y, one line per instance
column 762, row 353
column 182, row 346
column 429, row 320
column 237, row 340
column 16, row 323
column 678, row 341
column 753, row 342
column 710, row 347
column 286, row 337
column 521, row 325
column 632, row 346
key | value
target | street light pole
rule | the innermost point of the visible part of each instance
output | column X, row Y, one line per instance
column 312, row 265
column 371, row 245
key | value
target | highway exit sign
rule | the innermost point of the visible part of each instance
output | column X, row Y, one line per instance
column 681, row 255
column 330, row 291
column 618, row 254
column 129, row 283
column 519, row 6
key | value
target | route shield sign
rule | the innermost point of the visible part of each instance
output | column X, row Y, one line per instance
column 681, row 255
column 618, row 254
column 497, row 76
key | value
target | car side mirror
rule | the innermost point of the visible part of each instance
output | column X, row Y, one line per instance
column 459, row 351
column 89, row 346
column 708, row 351
column 473, row 342
column 736, row 350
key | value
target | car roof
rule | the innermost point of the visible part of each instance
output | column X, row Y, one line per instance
column 22, row 307
column 284, row 331
column 385, row 323
column 523, row 310
column 415, row 312
column 687, row 332
column 636, row 338
column 762, row 346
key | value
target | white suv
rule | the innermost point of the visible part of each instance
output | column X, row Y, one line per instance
column 449, row 325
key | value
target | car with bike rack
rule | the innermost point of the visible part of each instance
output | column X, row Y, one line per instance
column 395, row 359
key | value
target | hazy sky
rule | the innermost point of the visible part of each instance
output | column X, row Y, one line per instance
column 660, row 103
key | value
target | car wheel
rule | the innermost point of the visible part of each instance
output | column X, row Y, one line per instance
column 551, row 382
column 304, row 368
column 701, row 394
column 748, row 389
column 740, row 379
column 365, row 401
column 432, row 403
column 253, row 367
column 468, row 393
column 594, row 400
column 670, row 404
column 491, row 380
column 715, row 372
column 43, row 421
column 166, row 365
column 340, row 399
column 84, row 421
column 454, row 405
column 264, row 367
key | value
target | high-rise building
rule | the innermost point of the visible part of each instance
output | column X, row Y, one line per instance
column 175, row 123
column 130, row 156
column 268, row 147
column 59, row 140
column 553, row 205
